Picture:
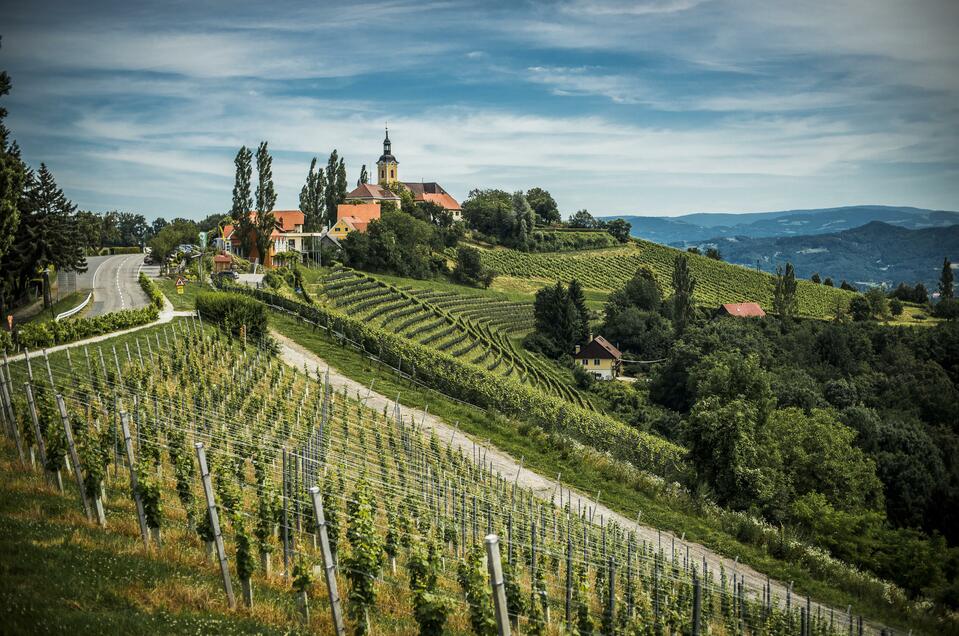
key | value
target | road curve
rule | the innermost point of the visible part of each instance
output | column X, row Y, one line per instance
column 113, row 280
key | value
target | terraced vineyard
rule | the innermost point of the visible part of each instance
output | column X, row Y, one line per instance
column 402, row 537
column 472, row 328
column 608, row 269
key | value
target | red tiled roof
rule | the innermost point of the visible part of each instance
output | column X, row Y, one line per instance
column 371, row 191
column 744, row 310
column 357, row 224
column 359, row 211
column 222, row 258
column 443, row 200
column 599, row 347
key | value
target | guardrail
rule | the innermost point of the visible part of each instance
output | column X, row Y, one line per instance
column 75, row 310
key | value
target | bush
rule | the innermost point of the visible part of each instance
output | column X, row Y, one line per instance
column 947, row 308
column 125, row 250
column 6, row 342
column 152, row 291
column 48, row 334
column 233, row 311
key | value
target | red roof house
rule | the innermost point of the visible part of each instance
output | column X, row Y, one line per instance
column 742, row 310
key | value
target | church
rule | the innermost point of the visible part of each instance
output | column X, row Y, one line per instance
column 388, row 174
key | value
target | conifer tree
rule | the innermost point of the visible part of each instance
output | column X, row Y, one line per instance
column 335, row 193
column 684, row 285
column 243, row 199
column 578, row 299
column 13, row 175
column 265, row 200
column 312, row 202
column 945, row 280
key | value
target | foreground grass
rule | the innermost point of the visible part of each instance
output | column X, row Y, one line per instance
column 185, row 301
column 621, row 489
column 69, row 301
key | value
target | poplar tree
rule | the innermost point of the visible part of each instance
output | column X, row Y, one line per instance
column 945, row 280
column 312, row 202
column 242, row 199
column 364, row 176
column 335, row 193
column 684, row 285
column 265, row 200
column 784, row 293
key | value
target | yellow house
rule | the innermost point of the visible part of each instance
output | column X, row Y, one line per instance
column 599, row 358
column 353, row 217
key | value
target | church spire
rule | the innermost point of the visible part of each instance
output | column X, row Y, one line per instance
column 387, row 168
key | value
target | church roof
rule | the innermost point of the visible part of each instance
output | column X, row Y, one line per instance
column 372, row 191
column 387, row 158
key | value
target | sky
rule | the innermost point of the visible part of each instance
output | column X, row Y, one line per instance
column 658, row 107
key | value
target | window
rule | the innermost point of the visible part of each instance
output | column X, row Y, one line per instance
column 596, row 362
column 391, row 173
column 291, row 244
column 584, row 361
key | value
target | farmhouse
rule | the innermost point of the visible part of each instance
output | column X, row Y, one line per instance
column 600, row 358
column 387, row 173
column 288, row 235
column 354, row 217
column 742, row 310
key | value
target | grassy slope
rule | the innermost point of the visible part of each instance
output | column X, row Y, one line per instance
column 67, row 302
column 183, row 301
column 602, row 271
column 587, row 471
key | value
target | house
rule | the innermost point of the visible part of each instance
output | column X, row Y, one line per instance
column 599, row 358
column 742, row 310
column 222, row 263
column 287, row 235
column 353, row 217
column 387, row 171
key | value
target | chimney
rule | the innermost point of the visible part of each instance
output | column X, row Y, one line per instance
column 590, row 337
column 577, row 349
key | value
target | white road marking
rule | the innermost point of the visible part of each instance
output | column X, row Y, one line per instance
column 120, row 291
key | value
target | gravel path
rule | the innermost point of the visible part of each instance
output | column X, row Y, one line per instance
column 544, row 487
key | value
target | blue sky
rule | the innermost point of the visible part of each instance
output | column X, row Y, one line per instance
column 645, row 107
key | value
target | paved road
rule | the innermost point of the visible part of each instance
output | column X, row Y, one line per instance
column 113, row 280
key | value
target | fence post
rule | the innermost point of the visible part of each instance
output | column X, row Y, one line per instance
column 329, row 568
column 215, row 523
column 128, row 444
column 697, row 603
column 495, row 567
column 36, row 423
column 68, row 431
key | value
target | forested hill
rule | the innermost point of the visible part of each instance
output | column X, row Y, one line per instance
column 693, row 228
column 871, row 254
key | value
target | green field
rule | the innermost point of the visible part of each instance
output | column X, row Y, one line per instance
column 605, row 270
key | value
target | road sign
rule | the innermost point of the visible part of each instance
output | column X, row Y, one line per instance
column 180, row 283
column 202, row 240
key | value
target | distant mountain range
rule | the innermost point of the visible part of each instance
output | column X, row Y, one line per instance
column 875, row 253
column 695, row 228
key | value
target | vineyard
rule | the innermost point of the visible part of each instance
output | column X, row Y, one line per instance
column 369, row 521
column 473, row 329
column 608, row 269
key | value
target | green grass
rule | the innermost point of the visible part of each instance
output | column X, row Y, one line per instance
column 622, row 489
column 602, row 271
column 186, row 300
column 66, row 303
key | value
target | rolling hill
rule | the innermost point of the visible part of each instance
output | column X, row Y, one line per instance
column 876, row 253
column 694, row 228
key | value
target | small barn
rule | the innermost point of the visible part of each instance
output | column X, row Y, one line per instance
column 742, row 310
column 599, row 358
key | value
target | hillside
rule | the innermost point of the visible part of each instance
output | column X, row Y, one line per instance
column 607, row 270
column 872, row 254
column 693, row 228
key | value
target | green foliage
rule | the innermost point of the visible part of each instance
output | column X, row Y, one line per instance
column 500, row 216
column 945, row 279
column 473, row 580
column 583, row 219
column 265, row 200
column 431, row 607
column 245, row 563
column 784, row 293
column 233, row 311
column 335, row 191
column 362, row 565
column 149, row 490
column 469, row 268
column 302, row 575
column 561, row 320
column 165, row 243
column 618, row 229
column 243, row 199
column 312, row 198
column 543, row 204
column 397, row 243
column 152, row 291
column 684, row 286
column 48, row 334
column 566, row 240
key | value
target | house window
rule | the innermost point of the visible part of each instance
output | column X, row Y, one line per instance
column 291, row 244
column 584, row 361
column 596, row 362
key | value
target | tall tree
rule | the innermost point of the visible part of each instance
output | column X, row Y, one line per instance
column 543, row 205
column 784, row 293
column 265, row 200
column 312, row 203
column 335, row 185
column 243, row 199
column 945, row 280
column 13, row 174
column 582, row 218
column 684, row 286
column 578, row 299
column 364, row 176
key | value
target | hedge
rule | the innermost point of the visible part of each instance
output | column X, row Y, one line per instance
column 471, row 383
column 152, row 291
column 233, row 311
column 48, row 334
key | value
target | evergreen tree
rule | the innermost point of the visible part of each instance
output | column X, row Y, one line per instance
column 265, row 200
column 828, row 282
column 784, row 294
column 335, row 193
column 312, row 202
column 243, row 199
column 684, row 285
column 578, row 300
column 945, row 280
column 815, row 278
column 364, row 176
column 13, row 175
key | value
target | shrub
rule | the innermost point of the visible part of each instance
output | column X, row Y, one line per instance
column 47, row 334
column 152, row 291
column 947, row 308
column 233, row 311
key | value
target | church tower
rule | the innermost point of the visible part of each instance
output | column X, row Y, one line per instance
column 387, row 170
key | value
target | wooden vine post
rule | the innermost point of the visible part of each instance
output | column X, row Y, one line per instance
column 68, row 431
column 215, row 524
column 329, row 568
column 496, row 582
column 128, row 444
